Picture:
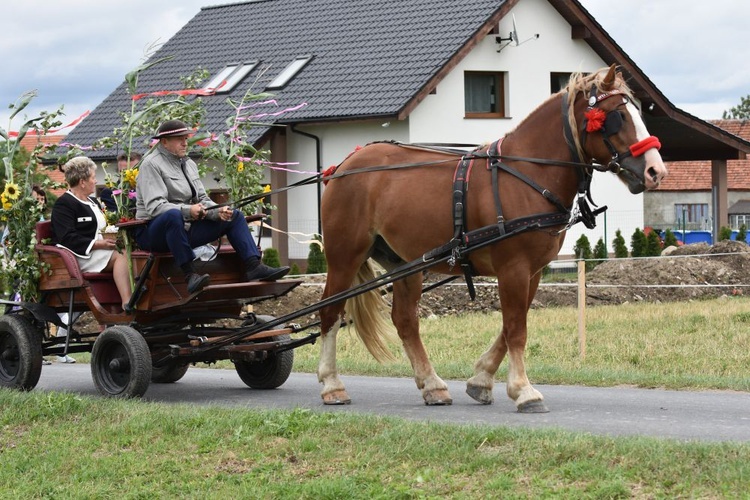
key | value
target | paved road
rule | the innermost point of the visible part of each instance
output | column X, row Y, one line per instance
column 682, row 415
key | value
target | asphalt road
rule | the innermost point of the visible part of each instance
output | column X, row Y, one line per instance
column 620, row 411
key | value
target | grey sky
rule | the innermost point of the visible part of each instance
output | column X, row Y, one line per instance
column 75, row 52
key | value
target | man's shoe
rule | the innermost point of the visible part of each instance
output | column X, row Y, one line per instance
column 65, row 359
column 196, row 282
column 264, row 273
column 45, row 362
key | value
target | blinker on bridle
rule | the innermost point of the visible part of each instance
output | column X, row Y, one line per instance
column 609, row 124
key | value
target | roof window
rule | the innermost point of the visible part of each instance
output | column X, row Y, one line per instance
column 230, row 76
column 289, row 72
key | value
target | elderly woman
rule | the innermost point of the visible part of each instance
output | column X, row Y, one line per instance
column 77, row 222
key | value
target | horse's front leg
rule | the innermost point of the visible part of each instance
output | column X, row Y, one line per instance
column 405, row 316
column 333, row 392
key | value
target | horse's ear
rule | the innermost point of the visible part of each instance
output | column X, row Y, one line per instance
column 609, row 80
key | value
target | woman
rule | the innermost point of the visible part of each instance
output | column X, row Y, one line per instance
column 77, row 222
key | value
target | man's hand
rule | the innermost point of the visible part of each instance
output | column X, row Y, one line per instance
column 197, row 211
column 225, row 213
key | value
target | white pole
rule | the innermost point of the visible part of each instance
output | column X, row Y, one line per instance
column 582, row 309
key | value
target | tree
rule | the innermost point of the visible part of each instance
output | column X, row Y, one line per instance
column 725, row 233
column 653, row 244
column 582, row 250
column 739, row 112
column 316, row 260
column 621, row 249
column 600, row 251
column 670, row 240
column 638, row 243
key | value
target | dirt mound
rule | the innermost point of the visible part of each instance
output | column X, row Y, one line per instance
column 685, row 273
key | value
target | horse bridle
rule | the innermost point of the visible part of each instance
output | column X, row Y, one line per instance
column 609, row 124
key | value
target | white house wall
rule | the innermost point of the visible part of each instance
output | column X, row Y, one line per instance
column 440, row 118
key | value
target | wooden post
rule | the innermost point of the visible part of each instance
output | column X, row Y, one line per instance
column 582, row 309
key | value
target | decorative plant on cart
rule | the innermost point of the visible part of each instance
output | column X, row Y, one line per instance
column 20, row 211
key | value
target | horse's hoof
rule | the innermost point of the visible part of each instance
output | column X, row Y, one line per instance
column 336, row 398
column 533, row 406
column 480, row 394
column 438, row 398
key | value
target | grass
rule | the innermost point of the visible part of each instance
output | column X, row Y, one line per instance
column 67, row 446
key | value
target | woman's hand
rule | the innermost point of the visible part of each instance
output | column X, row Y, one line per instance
column 105, row 244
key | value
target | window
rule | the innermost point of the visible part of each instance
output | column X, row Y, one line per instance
column 289, row 72
column 484, row 94
column 692, row 215
column 558, row 81
column 736, row 221
column 231, row 75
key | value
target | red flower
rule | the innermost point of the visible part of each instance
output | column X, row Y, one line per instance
column 594, row 119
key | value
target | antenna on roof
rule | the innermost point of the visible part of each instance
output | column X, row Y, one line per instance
column 513, row 37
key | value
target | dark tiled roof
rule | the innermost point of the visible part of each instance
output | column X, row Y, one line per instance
column 696, row 175
column 369, row 58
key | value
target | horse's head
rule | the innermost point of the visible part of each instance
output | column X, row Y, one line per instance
column 612, row 132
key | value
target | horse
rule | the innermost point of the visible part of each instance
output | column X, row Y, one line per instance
column 401, row 205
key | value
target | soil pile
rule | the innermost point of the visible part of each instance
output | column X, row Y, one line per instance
column 685, row 273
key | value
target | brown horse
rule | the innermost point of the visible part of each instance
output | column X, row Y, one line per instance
column 401, row 206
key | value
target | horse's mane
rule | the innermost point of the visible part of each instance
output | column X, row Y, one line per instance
column 580, row 82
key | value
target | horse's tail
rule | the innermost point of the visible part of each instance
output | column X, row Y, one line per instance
column 369, row 312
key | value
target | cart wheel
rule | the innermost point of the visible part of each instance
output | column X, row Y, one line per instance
column 121, row 363
column 20, row 353
column 269, row 373
column 169, row 373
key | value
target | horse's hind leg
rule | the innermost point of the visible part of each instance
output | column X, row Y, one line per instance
column 405, row 315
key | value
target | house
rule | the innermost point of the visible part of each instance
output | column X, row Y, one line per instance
column 31, row 141
column 684, row 200
column 408, row 71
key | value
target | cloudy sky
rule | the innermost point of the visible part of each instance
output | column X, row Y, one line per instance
column 75, row 52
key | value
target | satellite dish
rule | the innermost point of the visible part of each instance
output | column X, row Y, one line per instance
column 513, row 37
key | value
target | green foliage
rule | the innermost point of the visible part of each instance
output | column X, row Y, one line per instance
column 638, row 243
column 600, row 251
column 582, row 250
column 316, row 260
column 294, row 270
column 670, row 240
column 271, row 257
column 18, row 209
column 725, row 233
column 621, row 249
column 742, row 234
column 739, row 112
column 653, row 244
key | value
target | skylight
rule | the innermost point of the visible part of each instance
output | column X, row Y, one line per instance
column 232, row 74
column 289, row 72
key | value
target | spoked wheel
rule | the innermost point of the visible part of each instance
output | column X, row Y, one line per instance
column 20, row 352
column 121, row 363
column 269, row 373
column 169, row 373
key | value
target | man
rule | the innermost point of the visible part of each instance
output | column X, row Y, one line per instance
column 172, row 196
column 122, row 164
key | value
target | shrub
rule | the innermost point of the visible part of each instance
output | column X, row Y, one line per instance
column 600, row 251
column 638, row 243
column 742, row 234
column 271, row 257
column 670, row 240
column 653, row 244
column 316, row 260
column 621, row 249
column 725, row 233
column 294, row 270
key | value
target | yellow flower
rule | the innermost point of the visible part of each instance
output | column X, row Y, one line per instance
column 11, row 191
column 7, row 205
column 266, row 189
column 240, row 167
column 130, row 175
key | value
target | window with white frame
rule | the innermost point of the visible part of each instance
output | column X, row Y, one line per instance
column 228, row 78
